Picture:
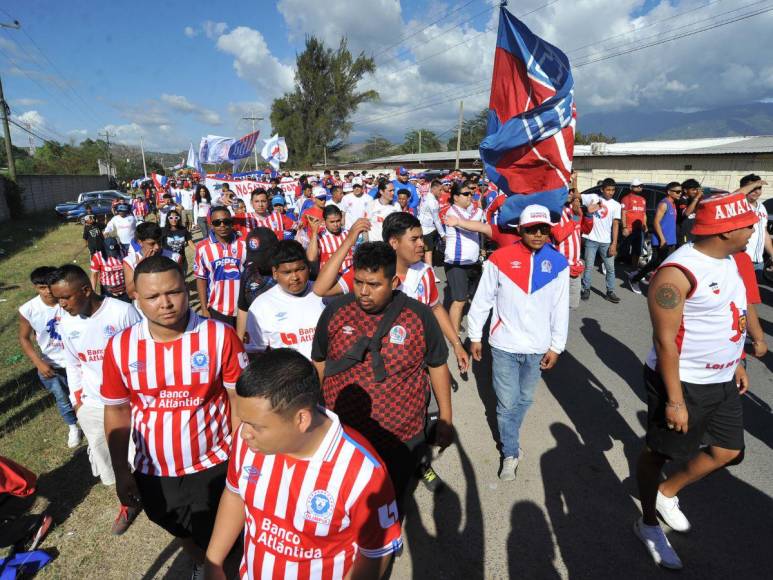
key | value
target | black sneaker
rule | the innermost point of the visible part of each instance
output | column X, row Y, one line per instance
column 585, row 294
column 612, row 297
column 126, row 516
column 431, row 480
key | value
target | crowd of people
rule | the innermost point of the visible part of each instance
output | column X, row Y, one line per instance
column 288, row 416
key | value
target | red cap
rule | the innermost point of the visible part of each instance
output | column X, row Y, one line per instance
column 723, row 213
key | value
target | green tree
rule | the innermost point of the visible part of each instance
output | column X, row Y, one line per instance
column 429, row 142
column 473, row 132
column 376, row 146
column 317, row 112
column 17, row 152
column 588, row 138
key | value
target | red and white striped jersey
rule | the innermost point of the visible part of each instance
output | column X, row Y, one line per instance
column 569, row 245
column 110, row 270
column 246, row 222
column 221, row 266
column 419, row 283
column 311, row 518
column 329, row 243
column 279, row 224
column 179, row 406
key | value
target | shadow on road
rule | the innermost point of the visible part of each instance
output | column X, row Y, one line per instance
column 482, row 373
column 530, row 549
column 454, row 551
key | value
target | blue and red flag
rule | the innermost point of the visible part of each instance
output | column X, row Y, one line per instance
column 243, row 147
column 529, row 143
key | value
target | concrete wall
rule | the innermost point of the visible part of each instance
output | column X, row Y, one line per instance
column 4, row 213
column 43, row 192
column 722, row 171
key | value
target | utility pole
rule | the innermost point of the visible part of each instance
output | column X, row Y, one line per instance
column 107, row 136
column 253, row 118
column 419, row 141
column 142, row 149
column 30, row 140
column 459, row 133
column 5, row 110
column 325, row 158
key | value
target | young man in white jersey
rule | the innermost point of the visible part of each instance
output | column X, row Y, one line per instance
column 356, row 204
column 429, row 216
column 310, row 497
column 168, row 389
column 88, row 324
column 41, row 317
column 381, row 207
column 462, row 253
column 602, row 239
column 698, row 306
column 287, row 314
column 760, row 242
column 122, row 225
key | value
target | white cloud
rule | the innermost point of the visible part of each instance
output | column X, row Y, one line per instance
column 182, row 104
column 254, row 62
column 28, row 102
column 190, row 32
column 214, row 29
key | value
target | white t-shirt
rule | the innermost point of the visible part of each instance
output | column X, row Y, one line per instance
column 756, row 246
column 338, row 204
column 355, row 207
column 123, row 227
column 277, row 319
column 463, row 246
column 186, row 198
column 609, row 211
column 429, row 209
column 84, row 341
column 378, row 213
column 45, row 321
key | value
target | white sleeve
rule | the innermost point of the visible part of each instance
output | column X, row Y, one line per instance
column 257, row 341
column 72, row 365
column 618, row 212
column 435, row 213
column 110, row 227
column 559, row 314
column 482, row 302
column 132, row 317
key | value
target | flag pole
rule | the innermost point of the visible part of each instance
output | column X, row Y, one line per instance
column 459, row 133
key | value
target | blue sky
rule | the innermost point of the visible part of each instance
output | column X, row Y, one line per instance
column 173, row 71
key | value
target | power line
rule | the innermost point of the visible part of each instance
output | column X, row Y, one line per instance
column 30, row 131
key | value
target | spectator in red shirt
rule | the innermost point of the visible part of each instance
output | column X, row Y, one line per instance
column 634, row 223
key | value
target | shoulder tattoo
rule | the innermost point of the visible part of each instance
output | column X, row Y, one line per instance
column 668, row 296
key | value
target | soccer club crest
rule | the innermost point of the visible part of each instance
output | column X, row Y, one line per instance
column 397, row 335
column 319, row 507
column 199, row 362
column 110, row 330
column 546, row 266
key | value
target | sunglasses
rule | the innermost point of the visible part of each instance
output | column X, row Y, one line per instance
column 173, row 217
column 465, row 193
column 225, row 222
column 543, row 229
column 675, row 190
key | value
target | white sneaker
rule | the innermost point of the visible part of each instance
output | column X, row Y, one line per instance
column 657, row 545
column 73, row 436
column 668, row 508
column 635, row 288
column 509, row 465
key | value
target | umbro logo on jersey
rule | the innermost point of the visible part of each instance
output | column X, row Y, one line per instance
column 516, row 265
column 137, row 366
column 319, row 507
column 714, row 287
column 347, row 330
column 251, row 473
column 74, row 334
column 280, row 315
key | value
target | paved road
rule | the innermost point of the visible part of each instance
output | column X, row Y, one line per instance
column 570, row 511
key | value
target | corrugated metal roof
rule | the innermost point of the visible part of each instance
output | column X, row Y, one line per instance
column 712, row 146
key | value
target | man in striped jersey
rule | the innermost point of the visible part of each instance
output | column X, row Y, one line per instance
column 567, row 235
column 218, row 266
column 168, row 384
column 323, row 245
column 310, row 496
column 259, row 217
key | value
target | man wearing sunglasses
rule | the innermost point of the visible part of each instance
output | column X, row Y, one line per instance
column 760, row 241
column 527, row 285
column 218, row 267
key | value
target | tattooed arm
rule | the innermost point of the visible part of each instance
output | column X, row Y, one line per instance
column 665, row 300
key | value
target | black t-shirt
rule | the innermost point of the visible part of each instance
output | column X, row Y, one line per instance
column 392, row 410
column 92, row 233
column 252, row 284
column 175, row 240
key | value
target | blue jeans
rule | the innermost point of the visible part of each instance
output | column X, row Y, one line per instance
column 591, row 248
column 515, row 377
column 57, row 386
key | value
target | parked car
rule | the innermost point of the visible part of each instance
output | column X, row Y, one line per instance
column 91, row 196
column 100, row 207
column 652, row 192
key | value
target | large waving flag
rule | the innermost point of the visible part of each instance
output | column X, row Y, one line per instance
column 529, row 143
column 214, row 149
column 274, row 151
column 243, row 147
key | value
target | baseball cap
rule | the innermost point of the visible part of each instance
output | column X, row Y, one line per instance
column 122, row 207
column 636, row 183
column 357, row 180
column 278, row 200
column 402, row 171
column 723, row 213
column 312, row 179
column 348, row 187
column 319, row 192
column 534, row 214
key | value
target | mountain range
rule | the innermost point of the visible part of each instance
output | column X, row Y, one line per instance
column 634, row 125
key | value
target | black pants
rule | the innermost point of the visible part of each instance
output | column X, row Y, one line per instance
column 402, row 462
column 659, row 254
column 222, row 317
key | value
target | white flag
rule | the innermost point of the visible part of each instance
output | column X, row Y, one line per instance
column 214, row 149
column 192, row 160
column 274, row 151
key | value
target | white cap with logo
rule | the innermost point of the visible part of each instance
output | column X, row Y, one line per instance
column 636, row 183
column 535, row 214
